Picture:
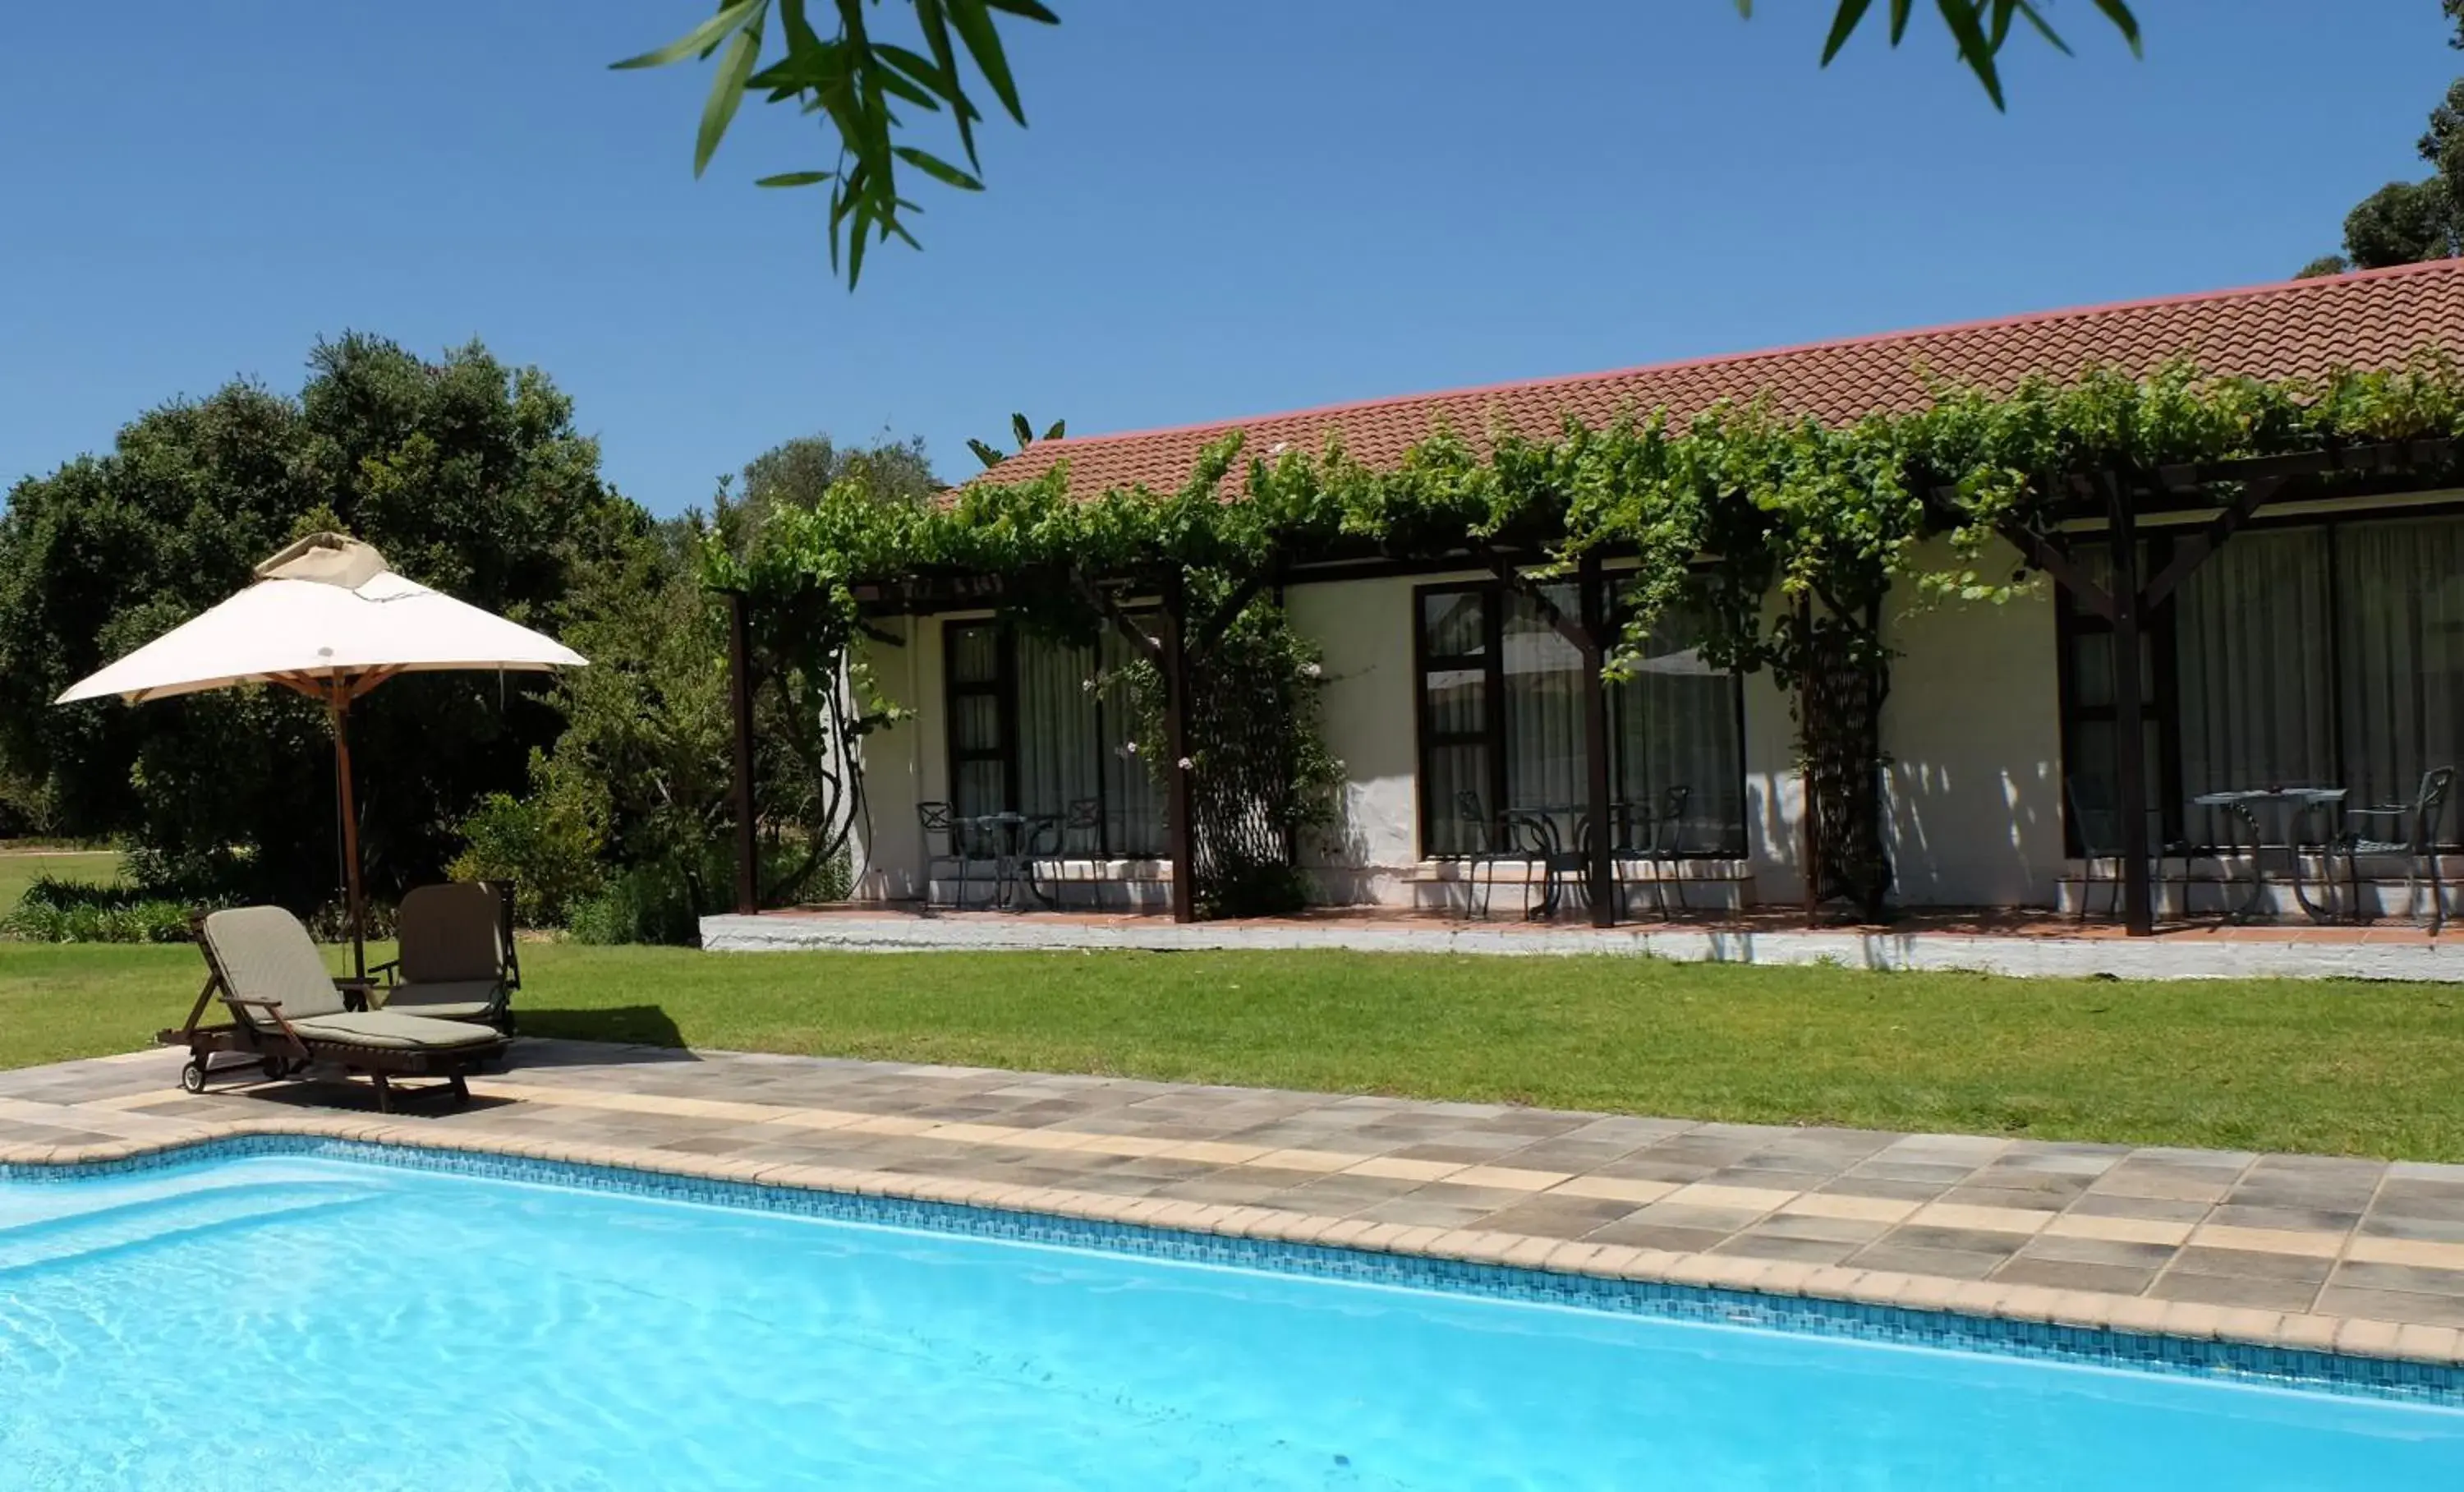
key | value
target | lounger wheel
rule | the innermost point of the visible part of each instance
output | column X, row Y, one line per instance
column 278, row 1067
column 192, row 1077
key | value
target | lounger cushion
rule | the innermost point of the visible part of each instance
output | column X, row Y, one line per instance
column 452, row 933
column 463, row 999
column 393, row 1030
column 268, row 956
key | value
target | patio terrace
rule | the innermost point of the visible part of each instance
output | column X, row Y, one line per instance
column 1990, row 941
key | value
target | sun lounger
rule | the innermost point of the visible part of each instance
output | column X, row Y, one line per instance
column 288, row 1015
column 458, row 960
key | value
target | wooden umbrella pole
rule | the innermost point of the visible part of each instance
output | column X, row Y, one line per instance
column 338, row 707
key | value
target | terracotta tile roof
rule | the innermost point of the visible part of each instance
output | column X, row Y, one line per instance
column 2300, row 328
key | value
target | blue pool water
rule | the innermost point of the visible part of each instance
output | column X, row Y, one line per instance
column 275, row 1323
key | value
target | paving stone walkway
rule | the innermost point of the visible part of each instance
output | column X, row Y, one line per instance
column 2283, row 1247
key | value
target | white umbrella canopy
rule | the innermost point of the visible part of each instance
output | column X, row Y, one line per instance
column 327, row 620
column 325, row 607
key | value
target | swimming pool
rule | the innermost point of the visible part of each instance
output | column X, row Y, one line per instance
column 279, row 1320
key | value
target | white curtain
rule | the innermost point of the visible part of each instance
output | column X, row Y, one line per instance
column 1544, row 710
column 1076, row 731
column 1056, row 725
column 1676, row 727
column 1674, row 724
column 2253, row 641
column 2400, row 599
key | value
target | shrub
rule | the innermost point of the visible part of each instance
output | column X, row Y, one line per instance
column 53, row 910
column 647, row 903
column 547, row 845
column 660, row 903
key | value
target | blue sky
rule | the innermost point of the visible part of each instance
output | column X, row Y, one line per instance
column 1220, row 209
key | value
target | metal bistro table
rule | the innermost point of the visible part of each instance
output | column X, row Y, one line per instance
column 1010, row 837
column 2278, row 807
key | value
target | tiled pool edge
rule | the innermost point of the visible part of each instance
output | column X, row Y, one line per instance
column 2351, row 1356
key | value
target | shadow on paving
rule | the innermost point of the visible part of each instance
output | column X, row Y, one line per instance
column 634, row 1025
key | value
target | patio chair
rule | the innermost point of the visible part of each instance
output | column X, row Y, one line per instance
column 957, row 852
column 288, row 1014
column 2419, row 822
column 2099, row 825
column 458, row 959
column 1493, row 845
column 1661, row 844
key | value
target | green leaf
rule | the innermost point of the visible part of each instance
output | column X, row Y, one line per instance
column 930, row 15
column 2118, row 13
column 1842, row 26
column 1027, row 9
column 1899, row 19
column 796, row 179
column 975, row 28
column 923, row 70
column 726, row 93
column 1060, row 428
column 990, row 456
column 898, row 87
column 698, row 41
column 1025, row 432
column 1960, row 15
column 939, row 170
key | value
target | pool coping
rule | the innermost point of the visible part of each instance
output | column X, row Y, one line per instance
column 2328, row 1336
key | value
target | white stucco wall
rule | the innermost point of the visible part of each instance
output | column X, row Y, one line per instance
column 1774, row 791
column 1364, row 630
column 899, row 769
column 1974, row 732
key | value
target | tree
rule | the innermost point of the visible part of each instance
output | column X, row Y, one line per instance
column 2412, row 222
column 642, row 772
column 467, row 474
column 796, row 474
column 856, row 81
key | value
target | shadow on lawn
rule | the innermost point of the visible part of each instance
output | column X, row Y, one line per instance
column 636, row 1025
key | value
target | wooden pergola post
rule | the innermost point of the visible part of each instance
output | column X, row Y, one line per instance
column 2130, row 748
column 739, row 700
column 1808, row 792
column 1180, row 833
column 1587, row 632
column 1601, row 870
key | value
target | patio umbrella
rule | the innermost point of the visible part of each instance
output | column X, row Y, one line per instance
column 327, row 620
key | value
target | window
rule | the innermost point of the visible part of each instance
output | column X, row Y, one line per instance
column 1036, row 729
column 1501, row 702
column 2329, row 655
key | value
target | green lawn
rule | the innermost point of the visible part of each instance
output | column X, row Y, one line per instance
column 20, row 868
column 2352, row 1068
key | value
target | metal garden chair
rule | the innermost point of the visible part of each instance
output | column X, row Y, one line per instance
column 2099, row 825
column 1661, row 844
column 2420, row 822
column 957, row 852
column 1495, row 847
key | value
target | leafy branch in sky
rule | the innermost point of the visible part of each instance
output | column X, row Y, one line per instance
column 993, row 456
column 855, row 80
